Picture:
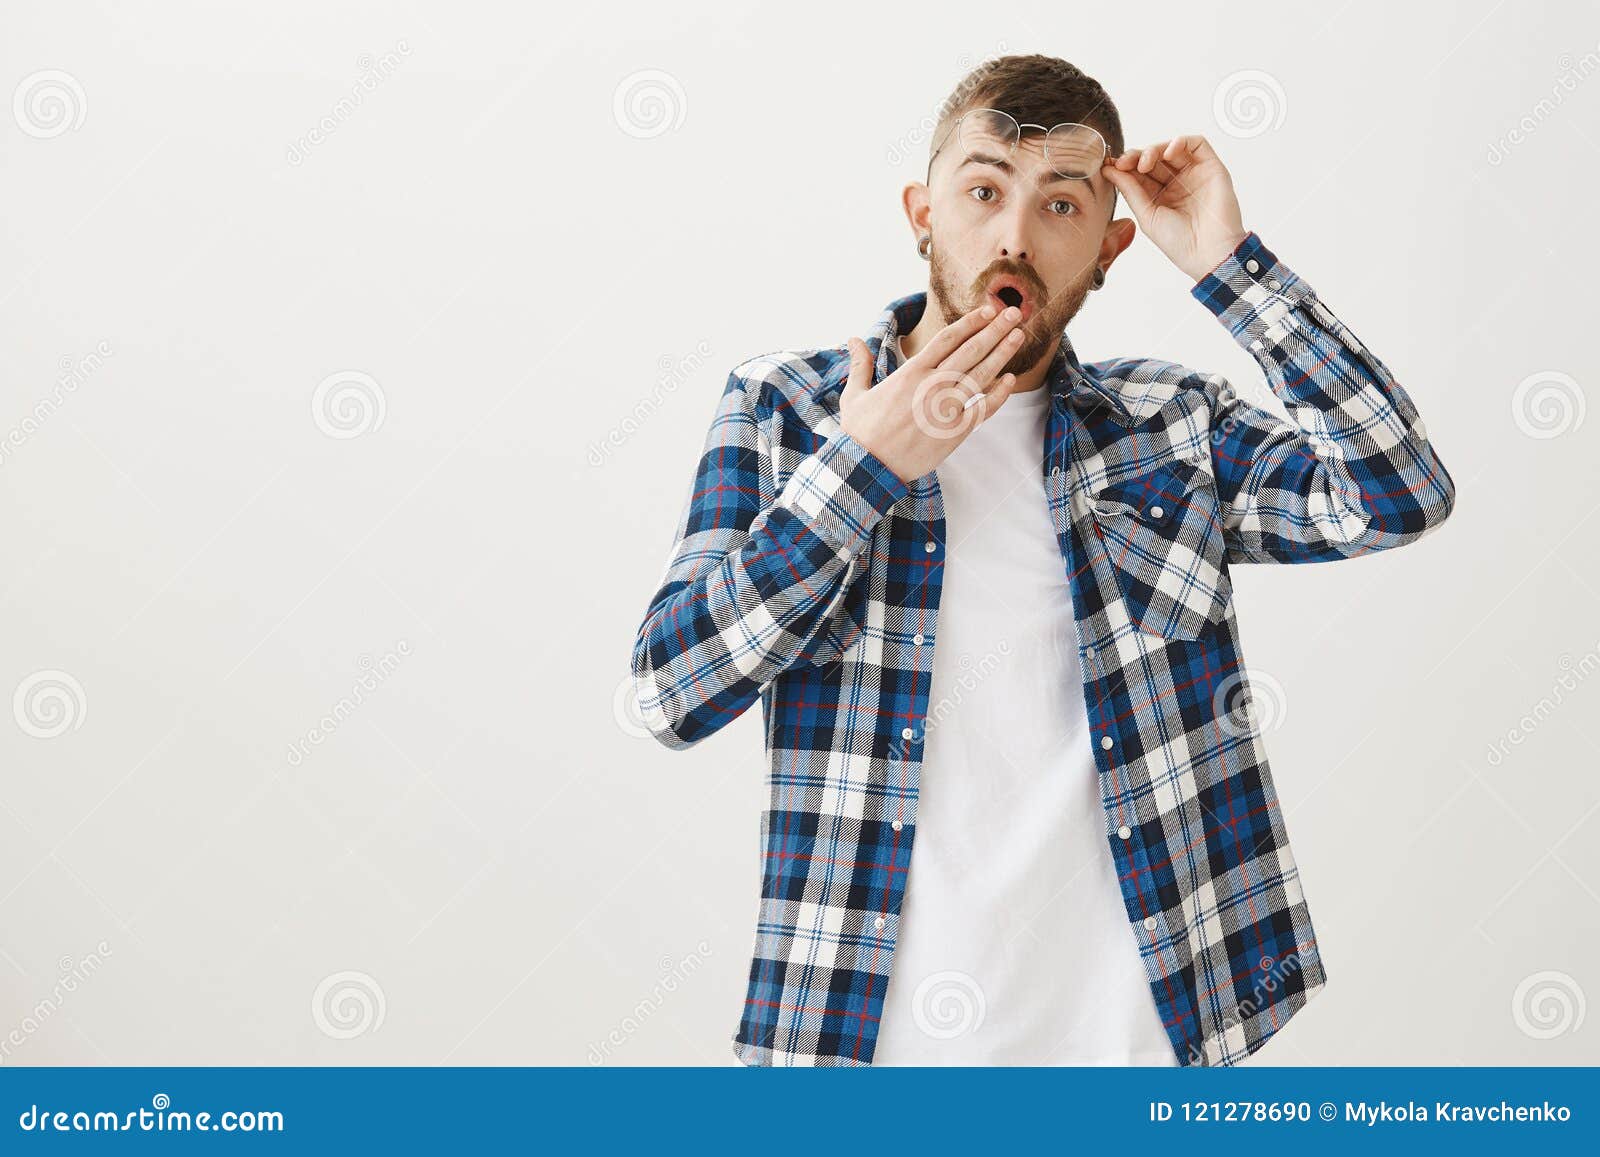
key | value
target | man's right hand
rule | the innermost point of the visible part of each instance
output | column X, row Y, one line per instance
column 914, row 418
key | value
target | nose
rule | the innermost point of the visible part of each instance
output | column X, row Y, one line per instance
column 1014, row 240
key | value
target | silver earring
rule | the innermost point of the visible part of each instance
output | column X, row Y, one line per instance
column 924, row 245
column 1099, row 277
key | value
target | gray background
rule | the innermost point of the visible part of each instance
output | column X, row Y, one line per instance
column 418, row 393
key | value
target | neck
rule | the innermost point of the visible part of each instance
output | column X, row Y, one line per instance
column 932, row 321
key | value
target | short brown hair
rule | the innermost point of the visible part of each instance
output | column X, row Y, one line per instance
column 1042, row 90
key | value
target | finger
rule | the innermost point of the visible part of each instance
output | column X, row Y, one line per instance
column 1165, row 173
column 1199, row 149
column 984, row 404
column 1153, row 181
column 948, row 339
column 983, row 374
column 1148, row 155
column 860, row 370
column 1180, row 151
column 1139, row 191
column 978, row 346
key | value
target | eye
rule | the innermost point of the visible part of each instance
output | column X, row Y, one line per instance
column 976, row 189
column 1061, row 212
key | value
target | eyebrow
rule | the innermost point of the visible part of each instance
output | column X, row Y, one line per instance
column 1045, row 178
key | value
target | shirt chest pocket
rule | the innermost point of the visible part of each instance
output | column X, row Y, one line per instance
column 1162, row 531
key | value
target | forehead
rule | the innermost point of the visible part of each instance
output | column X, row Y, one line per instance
column 1026, row 164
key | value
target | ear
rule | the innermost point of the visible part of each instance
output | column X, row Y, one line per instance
column 917, row 201
column 1120, row 233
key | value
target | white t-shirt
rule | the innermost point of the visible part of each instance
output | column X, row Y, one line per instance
column 1014, row 945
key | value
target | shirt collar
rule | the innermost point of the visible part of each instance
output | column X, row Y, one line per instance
column 1066, row 378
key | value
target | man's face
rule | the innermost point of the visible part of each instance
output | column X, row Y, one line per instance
column 1010, row 227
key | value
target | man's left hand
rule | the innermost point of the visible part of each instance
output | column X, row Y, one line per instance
column 1182, row 197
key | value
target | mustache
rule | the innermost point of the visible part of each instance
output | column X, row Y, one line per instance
column 1022, row 273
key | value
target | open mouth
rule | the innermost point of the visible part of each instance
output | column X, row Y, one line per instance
column 1006, row 291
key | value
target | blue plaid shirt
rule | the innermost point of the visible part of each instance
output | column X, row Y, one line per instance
column 807, row 574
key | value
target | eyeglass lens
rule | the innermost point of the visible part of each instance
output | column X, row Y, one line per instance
column 1072, row 150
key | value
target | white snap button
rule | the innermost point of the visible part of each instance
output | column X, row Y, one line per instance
column 1274, row 284
column 1124, row 831
column 918, row 640
column 1150, row 923
column 1253, row 266
column 897, row 825
column 1156, row 512
column 877, row 921
column 908, row 734
column 1055, row 470
column 930, row 546
column 1105, row 742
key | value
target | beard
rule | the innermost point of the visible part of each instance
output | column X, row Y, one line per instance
column 1041, row 333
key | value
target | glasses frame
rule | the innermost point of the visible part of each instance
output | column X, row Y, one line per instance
column 956, row 128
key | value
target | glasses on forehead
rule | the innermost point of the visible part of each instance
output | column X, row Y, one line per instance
column 987, row 135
